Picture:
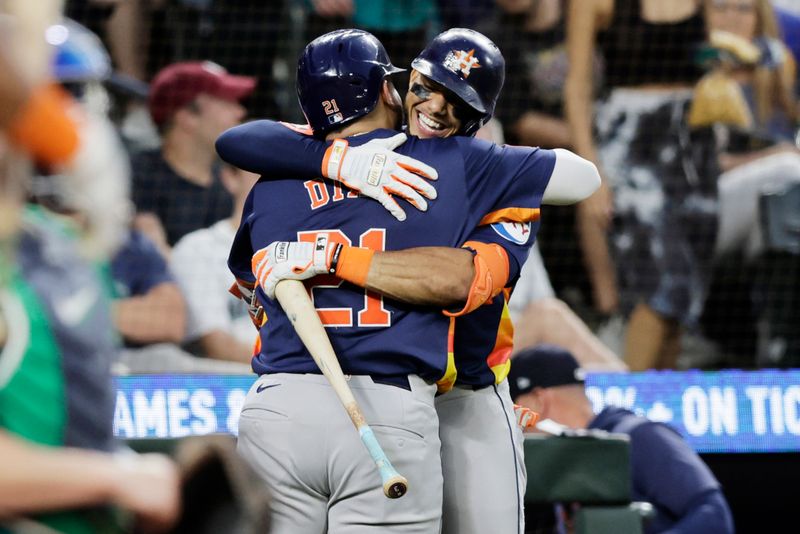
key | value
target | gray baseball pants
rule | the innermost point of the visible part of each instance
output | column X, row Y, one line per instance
column 294, row 431
column 482, row 462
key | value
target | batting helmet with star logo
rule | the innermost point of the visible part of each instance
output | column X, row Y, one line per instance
column 470, row 65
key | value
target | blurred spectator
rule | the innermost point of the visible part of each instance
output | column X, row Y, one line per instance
column 663, row 230
column 665, row 471
column 243, row 35
column 56, row 393
column 327, row 15
column 148, row 305
column 748, row 100
column 219, row 325
column 56, row 344
column 532, row 36
column 123, row 25
column 177, row 189
column 403, row 26
column 539, row 317
column 789, row 24
column 465, row 13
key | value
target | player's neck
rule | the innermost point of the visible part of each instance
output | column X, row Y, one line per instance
column 378, row 118
column 238, row 208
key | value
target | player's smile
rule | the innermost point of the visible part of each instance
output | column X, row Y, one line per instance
column 430, row 112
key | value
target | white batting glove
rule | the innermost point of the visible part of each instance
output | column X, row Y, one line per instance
column 376, row 172
column 292, row 260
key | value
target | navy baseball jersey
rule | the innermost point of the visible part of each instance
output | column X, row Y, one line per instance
column 479, row 183
column 477, row 180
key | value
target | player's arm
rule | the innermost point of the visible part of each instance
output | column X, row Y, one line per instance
column 279, row 151
column 434, row 276
column 573, row 179
column 461, row 279
column 510, row 183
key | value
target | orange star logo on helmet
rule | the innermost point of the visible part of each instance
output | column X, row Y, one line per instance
column 461, row 61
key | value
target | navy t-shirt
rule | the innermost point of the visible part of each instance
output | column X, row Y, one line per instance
column 181, row 206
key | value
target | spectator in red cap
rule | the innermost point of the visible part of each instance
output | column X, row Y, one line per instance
column 177, row 188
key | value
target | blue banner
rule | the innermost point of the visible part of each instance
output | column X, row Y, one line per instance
column 725, row 411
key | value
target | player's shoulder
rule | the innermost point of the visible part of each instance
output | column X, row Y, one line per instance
column 432, row 147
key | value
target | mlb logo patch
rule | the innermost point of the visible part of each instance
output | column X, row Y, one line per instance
column 515, row 232
column 461, row 61
column 336, row 117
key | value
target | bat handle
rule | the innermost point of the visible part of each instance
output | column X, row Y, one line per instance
column 394, row 484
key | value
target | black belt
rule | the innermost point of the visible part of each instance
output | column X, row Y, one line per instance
column 400, row 381
column 473, row 387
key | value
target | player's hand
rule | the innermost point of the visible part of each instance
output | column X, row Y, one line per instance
column 376, row 172
column 526, row 418
column 292, row 260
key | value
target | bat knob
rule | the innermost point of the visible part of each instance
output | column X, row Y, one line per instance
column 395, row 487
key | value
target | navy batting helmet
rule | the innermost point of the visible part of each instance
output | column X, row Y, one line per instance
column 339, row 78
column 470, row 65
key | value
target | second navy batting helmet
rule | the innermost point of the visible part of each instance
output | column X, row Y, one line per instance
column 340, row 76
column 470, row 65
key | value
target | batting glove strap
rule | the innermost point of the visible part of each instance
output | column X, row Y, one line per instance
column 375, row 171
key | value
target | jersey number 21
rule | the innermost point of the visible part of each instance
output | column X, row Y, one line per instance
column 373, row 313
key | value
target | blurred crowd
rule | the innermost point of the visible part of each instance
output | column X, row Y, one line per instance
column 688, row 256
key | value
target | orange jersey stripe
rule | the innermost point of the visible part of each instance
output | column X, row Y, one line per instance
column 304, row 129
column 511, row 215
column 448, row 380
column 500, row 358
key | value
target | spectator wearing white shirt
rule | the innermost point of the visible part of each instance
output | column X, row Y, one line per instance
column 219, row 326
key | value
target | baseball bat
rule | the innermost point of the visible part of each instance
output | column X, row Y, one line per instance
column 296, row 303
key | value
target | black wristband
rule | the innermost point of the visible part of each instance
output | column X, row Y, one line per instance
column 335, row 258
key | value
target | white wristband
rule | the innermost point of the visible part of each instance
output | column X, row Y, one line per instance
column 335, row 155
